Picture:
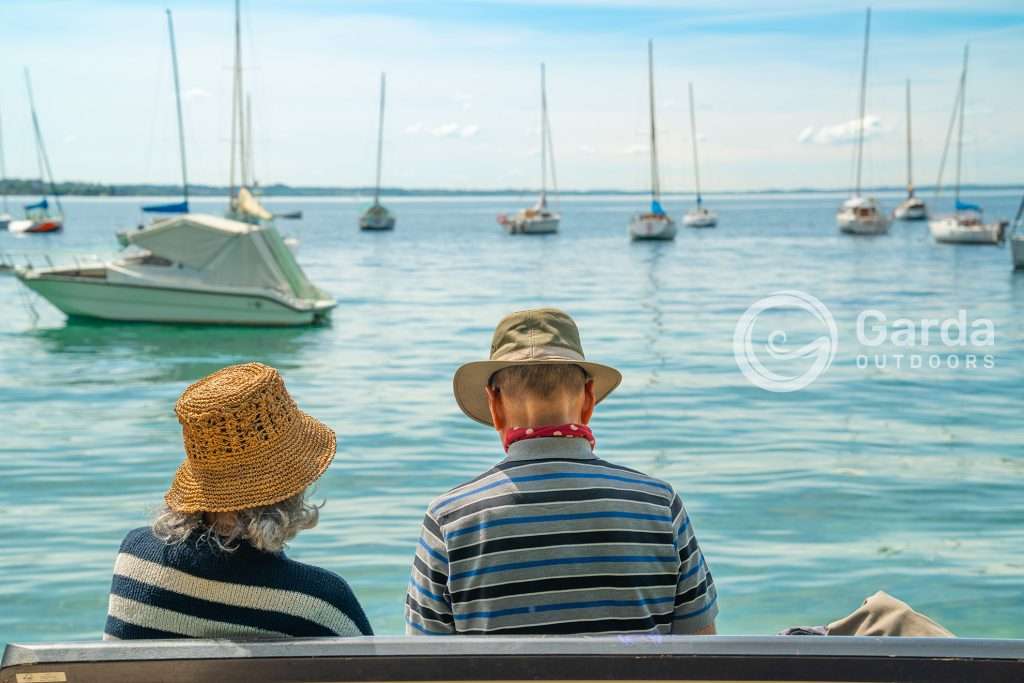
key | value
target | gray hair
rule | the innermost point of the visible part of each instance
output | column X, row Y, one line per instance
column 267, row 528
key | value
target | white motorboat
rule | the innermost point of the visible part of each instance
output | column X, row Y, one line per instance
column 538, row 219
column 377, row 217
column 862, row 215
column 190, row 269
column 699, row 216
column 966, row 225
column 912, row 208
column 38, row 217
column 653, row 224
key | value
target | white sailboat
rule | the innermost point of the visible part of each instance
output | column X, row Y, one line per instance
column 38, row 218
column 654, row 224
column 699, row 216
column 1017, row 238
column 862, row 215
column 965, row 225
column 377, row 217
column 242, row 203
column 189, row 268
column 5, row 217
column 912, row 208
column 538, row 219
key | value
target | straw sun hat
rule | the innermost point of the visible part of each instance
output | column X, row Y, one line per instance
column 541, row 336
column 246, row 442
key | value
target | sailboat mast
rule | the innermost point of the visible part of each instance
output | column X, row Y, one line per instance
column 236, row 104
column 543, row 137
column 693, row 138
column 910, row 152
column 655, row 184
column 250, row 163
column 3, row 167
column 177, row 99
column 863, row 97
column 40, row 145
column 380, row 138
column 960, row 125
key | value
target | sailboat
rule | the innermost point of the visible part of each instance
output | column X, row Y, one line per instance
column 242, row 203
column 912, row 208
column 965, row 226
column 862, row 215
column 700, row 216
column 654, row 224
column 5, row 217
column 38, row 218
column 189, row 268
column 377, row 217
column 1017, row 238
column 538, row 219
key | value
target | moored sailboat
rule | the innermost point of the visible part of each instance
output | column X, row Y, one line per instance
column 377, row 216
column 538, row 219
column 862, row 215
column 653, row 224
column 699, row 216
column 1017, row 238
column 912, row 208
column 38, row 217
column 5, row 217
column 966, row 224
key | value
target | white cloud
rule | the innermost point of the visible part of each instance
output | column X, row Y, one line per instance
column 465, row 100
column 194, row 94
column 588, row 149
column 842, row 133
column 636, row 149
column 414, row 128
column 454, row 129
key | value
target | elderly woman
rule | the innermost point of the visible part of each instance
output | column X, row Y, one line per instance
column 212, row 565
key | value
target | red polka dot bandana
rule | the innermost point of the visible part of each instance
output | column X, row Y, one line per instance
column 566, row 431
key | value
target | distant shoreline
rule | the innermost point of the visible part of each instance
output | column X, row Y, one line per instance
column 87, row 189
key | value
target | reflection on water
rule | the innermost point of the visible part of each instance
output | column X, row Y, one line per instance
column 804, row 502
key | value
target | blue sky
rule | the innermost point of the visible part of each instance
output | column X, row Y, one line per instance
column 775, row 84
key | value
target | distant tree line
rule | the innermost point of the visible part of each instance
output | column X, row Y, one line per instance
column 19, row 186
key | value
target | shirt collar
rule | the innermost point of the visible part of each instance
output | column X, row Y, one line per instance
column 549, row 448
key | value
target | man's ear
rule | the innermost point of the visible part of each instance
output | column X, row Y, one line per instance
column 497, row 408
column 587, row 407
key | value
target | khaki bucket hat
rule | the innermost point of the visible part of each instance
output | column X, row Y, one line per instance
column 246, row 442
column 540, row 336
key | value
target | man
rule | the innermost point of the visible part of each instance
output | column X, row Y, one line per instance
column 553, row 539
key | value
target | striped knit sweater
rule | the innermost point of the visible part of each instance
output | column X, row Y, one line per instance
column 554, row 540
column 191, row 590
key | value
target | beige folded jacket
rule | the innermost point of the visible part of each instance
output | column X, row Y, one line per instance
column 884, row 615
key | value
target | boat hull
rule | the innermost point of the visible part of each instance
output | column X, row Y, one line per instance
column 31, row 227
column 92, row 297
column 951, row 231
column 701, row 219
column 851, row 224
column 1017, row 252
column 532, row 226
column 366, row 223
column 642, row 228
column 911, row 212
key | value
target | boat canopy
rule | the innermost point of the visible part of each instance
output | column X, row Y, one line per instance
column 181, row 207
column 965, row 206
column 41, row 204
column 228, row 253
column 859, row 202
column 656, row 208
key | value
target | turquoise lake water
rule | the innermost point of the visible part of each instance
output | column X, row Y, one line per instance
column 902, row 479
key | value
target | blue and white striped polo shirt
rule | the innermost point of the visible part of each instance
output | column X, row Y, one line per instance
column 554, row 540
